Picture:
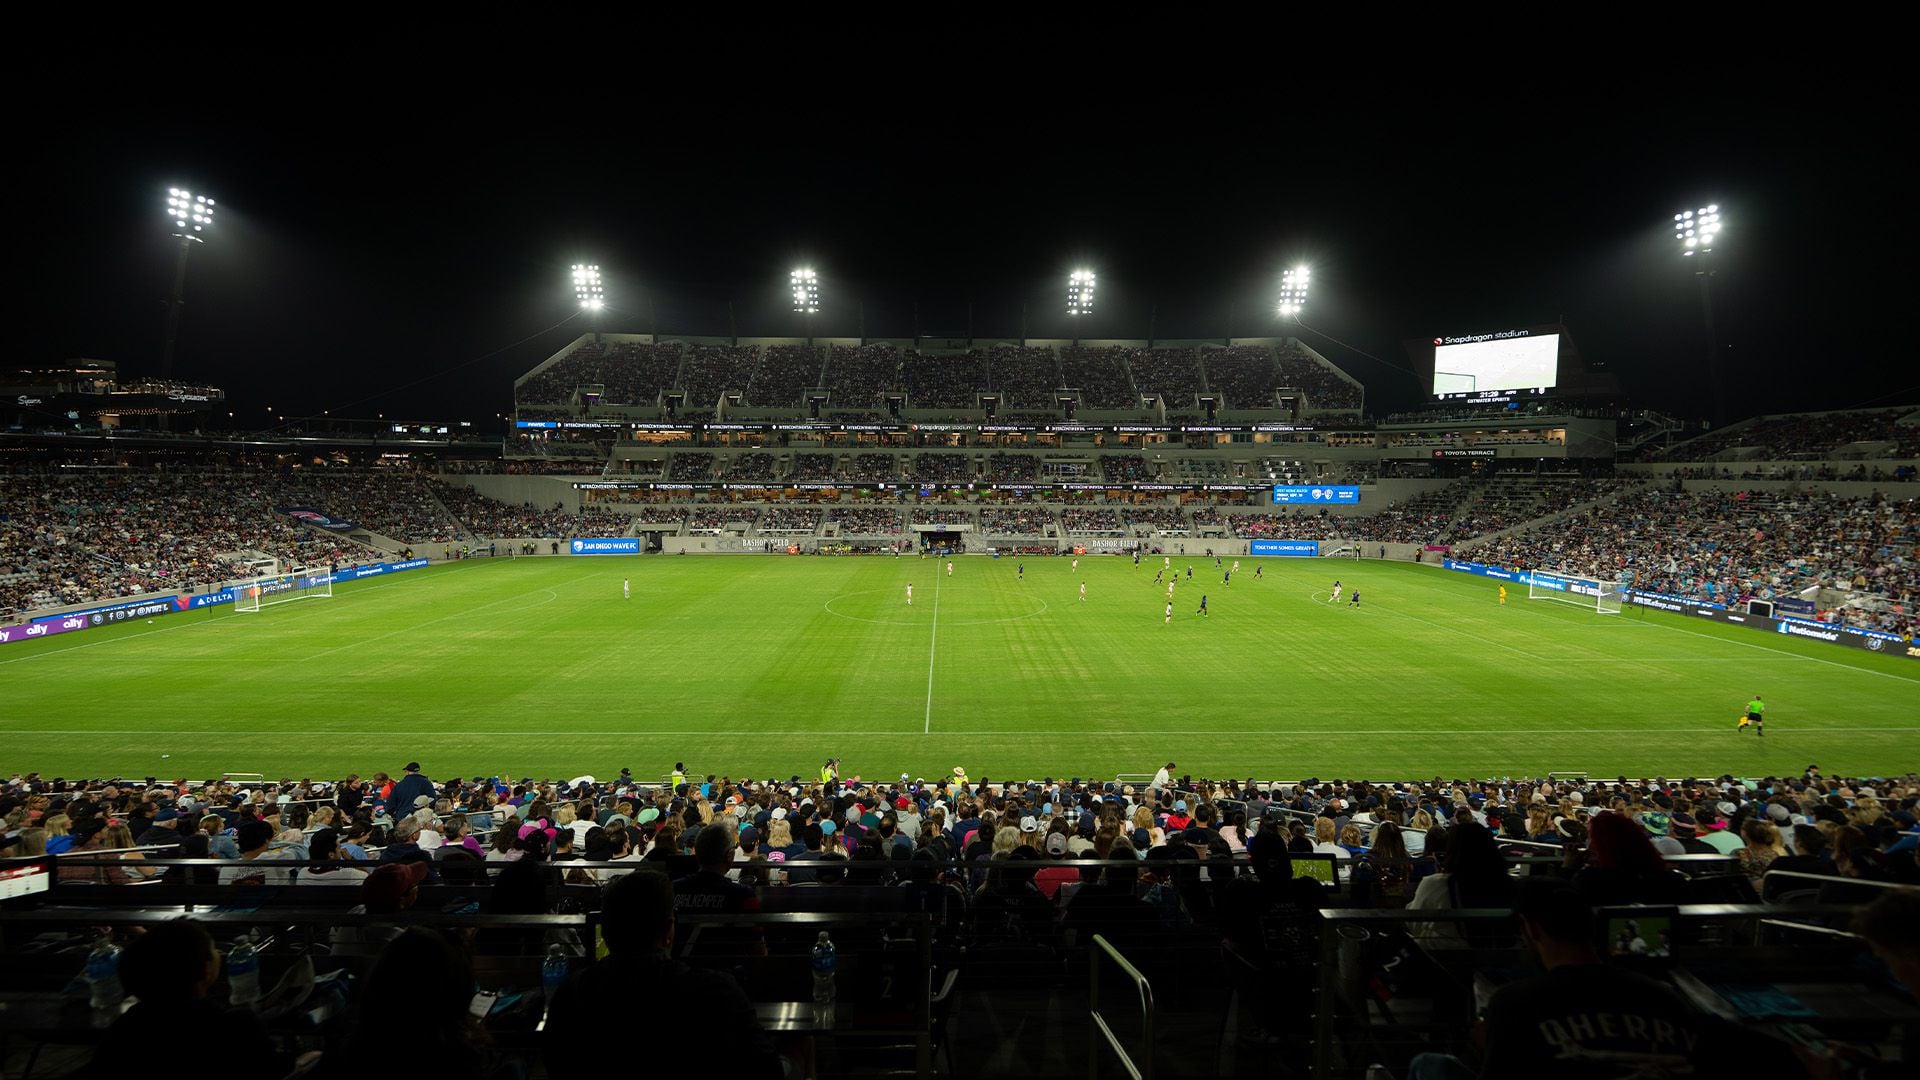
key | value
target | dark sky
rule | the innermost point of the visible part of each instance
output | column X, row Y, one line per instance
column 369, row 258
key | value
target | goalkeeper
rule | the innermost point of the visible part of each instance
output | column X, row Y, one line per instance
column 1755, row 717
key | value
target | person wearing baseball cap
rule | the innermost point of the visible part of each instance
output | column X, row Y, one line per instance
column 409, row 788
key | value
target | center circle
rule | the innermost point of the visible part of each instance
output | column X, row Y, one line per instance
column 899, row 599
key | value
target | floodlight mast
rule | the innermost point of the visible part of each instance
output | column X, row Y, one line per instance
column 190, row 216
column 1293, row 292
column 1697, row 230
column 804, row 285
column 1080, row 286
column 591, row 294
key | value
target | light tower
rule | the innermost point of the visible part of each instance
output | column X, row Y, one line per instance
column 806, row 291
column 1697, row 231
column 1080, row 285
column 190, row 216
column 591, row 294
column 1293, row 291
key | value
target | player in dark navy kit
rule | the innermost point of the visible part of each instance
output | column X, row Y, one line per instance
column 1203, row 606
column 1226, row 578
column 1259, row 572
column 1355, row 602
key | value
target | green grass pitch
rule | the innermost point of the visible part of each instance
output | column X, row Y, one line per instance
column 768, row 665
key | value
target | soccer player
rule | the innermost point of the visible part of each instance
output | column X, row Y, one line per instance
column 1754, row 717
column 1166, row 562
column 1355, row 602
column 626, row 588
column 1169, row 619
column 1170, row 590
column 1226, row 578
column 1023, row 572
column 1136, row 556
column 1159, row 576
column 1203, row 606
column 1083, row 592
column 1259, row 572
column 949, row 567
column 1236, row 566
column 1503, row 594
column 909, row 594
column 1189, row 573
column 1076, row 564
column 1335, row 598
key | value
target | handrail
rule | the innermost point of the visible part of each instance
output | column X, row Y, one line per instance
column 1099, row 1027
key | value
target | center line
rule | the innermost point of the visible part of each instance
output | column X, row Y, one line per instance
column 932, row 640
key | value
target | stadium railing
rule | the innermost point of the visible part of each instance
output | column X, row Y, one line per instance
column 1099, row 955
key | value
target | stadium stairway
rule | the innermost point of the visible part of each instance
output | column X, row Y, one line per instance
column 1542, row 522
column 466, row 534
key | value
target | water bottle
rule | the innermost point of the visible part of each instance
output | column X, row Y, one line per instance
column 825, row 963
column 553, row 971
column 243, row 971
column 103, row 974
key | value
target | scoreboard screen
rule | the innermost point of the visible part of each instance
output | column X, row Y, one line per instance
column 1495, row 366
column 1323, row 494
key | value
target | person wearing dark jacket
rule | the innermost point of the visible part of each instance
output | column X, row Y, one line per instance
column 637, row 921
column 408, row 789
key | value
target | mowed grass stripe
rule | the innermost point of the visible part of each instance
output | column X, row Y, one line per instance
column 769, row 665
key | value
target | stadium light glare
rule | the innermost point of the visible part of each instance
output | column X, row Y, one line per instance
column 1293, row 291
column 1080, row 285
column 191, row 214
column 805, row 285
column 1697, row 229
column 587, row 288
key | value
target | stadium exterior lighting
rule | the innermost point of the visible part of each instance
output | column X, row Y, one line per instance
column 1080, row 285
column 1293, row 291
column 189, row 216
column 1697, row 229
column 587, row 288
column 806, row 291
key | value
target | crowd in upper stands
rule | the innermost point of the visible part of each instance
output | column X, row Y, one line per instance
column 1815, row 435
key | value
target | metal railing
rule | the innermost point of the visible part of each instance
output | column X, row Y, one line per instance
column 1099, row 1028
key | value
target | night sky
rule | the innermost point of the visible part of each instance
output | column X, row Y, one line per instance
column 369, row 259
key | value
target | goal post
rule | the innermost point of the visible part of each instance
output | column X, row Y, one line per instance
column 1595, row 594
column 303, row 584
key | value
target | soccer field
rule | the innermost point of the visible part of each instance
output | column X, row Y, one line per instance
column 768, row 665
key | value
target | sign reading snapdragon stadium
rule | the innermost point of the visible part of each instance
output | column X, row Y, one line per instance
column 1323, row 494
column 151, row 608
column 615, row 546
column 1294, row 548
column 1854, row 637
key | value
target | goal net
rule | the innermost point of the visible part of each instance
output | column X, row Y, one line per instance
column 302, row 584
column 1594, row 594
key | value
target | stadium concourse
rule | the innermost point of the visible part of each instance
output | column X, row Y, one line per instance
column 966, row 915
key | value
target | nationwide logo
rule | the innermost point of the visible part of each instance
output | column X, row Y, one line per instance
column 1802, row 631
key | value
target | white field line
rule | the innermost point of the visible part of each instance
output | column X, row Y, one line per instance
column 933, row 639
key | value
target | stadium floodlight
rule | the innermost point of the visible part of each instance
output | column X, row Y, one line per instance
column 806, row 291
column 191, row 214
column 1697, row 229
column 1293, row 291
column 1080, row 292
column 587, row 288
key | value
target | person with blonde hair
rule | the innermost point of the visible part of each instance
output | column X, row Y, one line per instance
column 59, row 833
column 119, row 836
column 1143, row 819
column 33, row 842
